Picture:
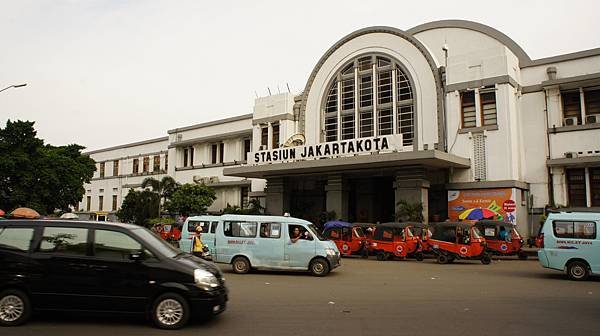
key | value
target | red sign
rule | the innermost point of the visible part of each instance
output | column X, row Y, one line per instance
column 509, row 205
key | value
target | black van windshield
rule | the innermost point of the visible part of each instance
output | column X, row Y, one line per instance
column 156, row 243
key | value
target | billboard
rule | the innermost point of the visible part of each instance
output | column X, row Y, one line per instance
column 478, row 204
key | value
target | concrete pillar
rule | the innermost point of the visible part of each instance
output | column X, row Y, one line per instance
column 276, row 203
column 413, row 188
column 337, row 196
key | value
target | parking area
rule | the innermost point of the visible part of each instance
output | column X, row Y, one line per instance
column 370, row 297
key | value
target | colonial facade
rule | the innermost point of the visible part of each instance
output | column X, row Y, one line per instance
column 450, row 114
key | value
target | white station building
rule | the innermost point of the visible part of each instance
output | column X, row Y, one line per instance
column 450, row 114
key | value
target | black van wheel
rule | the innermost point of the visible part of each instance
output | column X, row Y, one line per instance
column 15, row 308
column 319, row 267
column 442, row 259
column 170, row 311
column 577, row 270
column 240, row 265
column 485, row 259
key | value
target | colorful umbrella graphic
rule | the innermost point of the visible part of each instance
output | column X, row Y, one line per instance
column 24, row 213
column 477, row 214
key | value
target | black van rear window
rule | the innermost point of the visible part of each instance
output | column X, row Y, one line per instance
column 16, row 239
column 192, row 225
column 576, row 230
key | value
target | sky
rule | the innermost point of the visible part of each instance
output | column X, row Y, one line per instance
column 107, row 73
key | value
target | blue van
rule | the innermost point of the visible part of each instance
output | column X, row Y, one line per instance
column 274, row 243
column 571, row 244
column 188, row 231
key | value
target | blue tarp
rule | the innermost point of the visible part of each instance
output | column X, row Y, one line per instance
column 335, row 223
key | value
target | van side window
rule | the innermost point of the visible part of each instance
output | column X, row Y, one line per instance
column 16, row 239
column 213, row 227
column 270, row 230
column 193, row 224
column 240, row 229
column 64, row 240
column 579, row 230
column 115, row 245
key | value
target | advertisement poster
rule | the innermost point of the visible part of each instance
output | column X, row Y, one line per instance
column 479, row 204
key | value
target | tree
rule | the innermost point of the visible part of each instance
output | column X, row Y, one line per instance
column 191, row 199
column 38, row 176
column 164, row 188
column 409, row 211
column 138, row 207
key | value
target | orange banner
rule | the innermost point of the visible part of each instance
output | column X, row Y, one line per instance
column 478, row 204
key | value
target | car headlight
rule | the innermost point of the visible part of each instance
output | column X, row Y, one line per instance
column 330, row 251
column 204, row 279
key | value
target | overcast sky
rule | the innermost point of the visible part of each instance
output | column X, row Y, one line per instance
column 105, row 73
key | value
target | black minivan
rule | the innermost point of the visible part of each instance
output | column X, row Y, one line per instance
column 102, row 267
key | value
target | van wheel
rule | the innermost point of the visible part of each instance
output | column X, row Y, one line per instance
column 485, row 259
column 15, row 308
column 319, row 267
column 442, row 259
column 170, row 311
column 577, row 270
column 240, row 265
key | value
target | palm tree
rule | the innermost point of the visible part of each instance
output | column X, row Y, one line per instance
column 164, row 188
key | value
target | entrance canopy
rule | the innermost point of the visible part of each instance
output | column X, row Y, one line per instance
column 357, row 163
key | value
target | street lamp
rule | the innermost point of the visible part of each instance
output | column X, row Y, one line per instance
column 14, row 86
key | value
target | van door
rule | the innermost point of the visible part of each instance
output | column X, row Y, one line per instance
column 298, row 253
column 208, row 238
column 270, row 246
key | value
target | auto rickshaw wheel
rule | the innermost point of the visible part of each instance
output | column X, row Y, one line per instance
column 485, row 259
column 419, row 256
column 442, row 259
column 577, row 270
column 523, row 256
column 319, row 267
column 240, row 265
column 381, row 256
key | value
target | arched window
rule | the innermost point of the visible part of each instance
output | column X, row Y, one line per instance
column 370, row 96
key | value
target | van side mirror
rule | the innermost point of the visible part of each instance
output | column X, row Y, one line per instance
column 135, row 256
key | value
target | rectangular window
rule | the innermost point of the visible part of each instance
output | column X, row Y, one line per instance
column 64, row 240
column 574, row 230
column 270, row 230
column 221, row 152
column 240, row 229
column 15, row 239
column 166, row 162
column 405, row 124
column 348, row 125
column 571, row 105
column 247, row 149
column 366, row 91
column 385, row 121
column 156, row 163
column 193, row 225
column 595, row 186
column 384, row 87
column 275, row 132
column 116, row 168
column 100, row 203
column 264, row 137
column 488, row 106
column 348, row 94
column 331, row 105
column 114, row 203
column 366, row 124
column 136, row 166
column 188, row 157
column 213, row 153
column 331, row 127
column 102, row 166
column 146, row 166
column 213, row 227
column 591, row 97
column 88, row 205
column 576, row 187
column 114, row 245
column 244, row 197
column 467, row 101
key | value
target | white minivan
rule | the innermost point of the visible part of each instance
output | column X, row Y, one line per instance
column 274, row 243
column 571, row 244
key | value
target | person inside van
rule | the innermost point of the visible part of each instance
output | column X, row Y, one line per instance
column 295, row 234
column 264, row 230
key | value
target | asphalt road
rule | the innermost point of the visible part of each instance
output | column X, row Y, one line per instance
column 370, row 297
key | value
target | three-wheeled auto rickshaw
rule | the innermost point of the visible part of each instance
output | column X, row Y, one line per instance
column 456, row 240
column 421, row 231
column 502, row 238
column 350, row 239
column 395, row 240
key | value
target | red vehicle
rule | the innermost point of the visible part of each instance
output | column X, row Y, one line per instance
column 421, row 231
column 452, row 241
column 349, row 239
column 395, row 240
column 168, row 232
column 502, row 238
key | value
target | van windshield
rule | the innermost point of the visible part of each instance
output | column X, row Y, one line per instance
column 156, row 243
column 313, row 229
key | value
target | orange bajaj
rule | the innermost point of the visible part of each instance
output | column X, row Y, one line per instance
column 348, row 238
column 452, row 241
column 395, row 240
column 502, row 238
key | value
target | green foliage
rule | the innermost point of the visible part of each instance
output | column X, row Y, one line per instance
column 138, row 207
column 163, row 188
column 38, row 176
column 254, row 208
column 191, row 199
column 162, row 220
column 406, row 211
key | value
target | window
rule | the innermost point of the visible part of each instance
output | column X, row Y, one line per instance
column 116, row 168
column 595, row 186
column 592, row 101
column 192, row 225
column 247, row 149
column 100, row 203
column 576, row 187
column 264, row 136
column 188, row 157
column 213, row 227
column 115, row 245
column 16, row 239
column 244, row 197
column 221, row 152
column 88, row 205
column 240, row 229
column 146, row 166
column 467, row 101
column 571, row 106
column 114, row 203
column 577, row 230
column 136, row 166
column 487, row 99
column 275, row 141
column 156, row 165
column 214, row 153
column 102, row 166
column 64, row 240
column 270, row 230
column 166, row 162
column 379, row 105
